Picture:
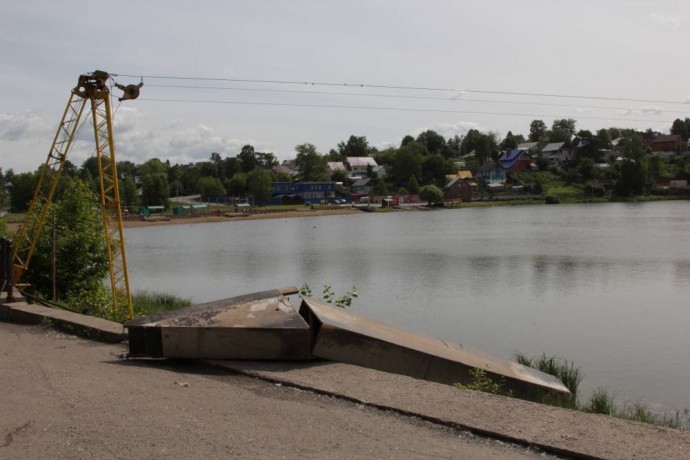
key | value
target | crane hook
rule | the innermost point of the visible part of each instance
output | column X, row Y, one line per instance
column 130, row 91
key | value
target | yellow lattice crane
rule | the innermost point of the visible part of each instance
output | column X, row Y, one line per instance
column 91, row 89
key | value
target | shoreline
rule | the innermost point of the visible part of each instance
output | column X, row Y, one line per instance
column 208, row 218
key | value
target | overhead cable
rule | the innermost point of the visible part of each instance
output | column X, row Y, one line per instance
column 417, row 88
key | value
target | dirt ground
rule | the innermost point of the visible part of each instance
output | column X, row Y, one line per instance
column 64, row 397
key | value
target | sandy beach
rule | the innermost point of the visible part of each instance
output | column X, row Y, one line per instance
column 205, row 218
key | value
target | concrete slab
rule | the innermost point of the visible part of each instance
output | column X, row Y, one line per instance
column 83, row 325
column 262, row 325
column 347, row 337
column 558, row 431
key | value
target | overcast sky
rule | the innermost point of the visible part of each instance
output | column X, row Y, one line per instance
column 616, row 50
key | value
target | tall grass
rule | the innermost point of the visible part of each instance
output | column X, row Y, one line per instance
column 602, row 400
column 565, row 370
column 146, row 302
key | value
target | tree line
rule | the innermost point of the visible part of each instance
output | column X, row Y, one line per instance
column 418, row 161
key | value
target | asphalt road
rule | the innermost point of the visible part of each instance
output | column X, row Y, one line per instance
column 64, row 397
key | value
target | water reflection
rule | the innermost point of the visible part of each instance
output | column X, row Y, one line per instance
column 605, row 285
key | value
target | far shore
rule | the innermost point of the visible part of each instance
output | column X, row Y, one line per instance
column 207, row 218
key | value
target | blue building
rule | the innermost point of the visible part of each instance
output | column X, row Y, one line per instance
column 306, row 192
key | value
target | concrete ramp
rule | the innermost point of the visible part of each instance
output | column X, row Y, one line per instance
column 265, row 326
column 340, row 335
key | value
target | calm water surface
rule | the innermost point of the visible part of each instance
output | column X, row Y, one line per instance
column 605, row 285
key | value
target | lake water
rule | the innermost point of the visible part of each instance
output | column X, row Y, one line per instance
column 604, row 285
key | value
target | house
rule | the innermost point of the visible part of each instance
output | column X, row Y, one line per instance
column 307, row 192
column 336, row 166
column 527, row 145
column 557, row 152
column 360, row 164
column 515, row 161
column 668, row 143
column 380, row 171
column 283, row 169
column 491, row 174
column 364, row 186
column 457, row 189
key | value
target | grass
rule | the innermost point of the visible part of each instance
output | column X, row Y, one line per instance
column 146, row 302
column 565, row 370
column 602, row 400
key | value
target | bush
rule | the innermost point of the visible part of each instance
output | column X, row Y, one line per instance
column 594, row 190
column 551, row 199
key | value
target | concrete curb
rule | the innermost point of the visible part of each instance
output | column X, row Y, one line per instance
column 85, row 326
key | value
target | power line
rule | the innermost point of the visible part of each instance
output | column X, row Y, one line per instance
column 398, row 96
column 397, row 109
column 417, row 88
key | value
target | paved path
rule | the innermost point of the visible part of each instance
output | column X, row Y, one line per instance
column 555, row 430
column 65, row 397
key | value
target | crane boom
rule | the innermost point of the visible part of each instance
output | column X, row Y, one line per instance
column 94, row 89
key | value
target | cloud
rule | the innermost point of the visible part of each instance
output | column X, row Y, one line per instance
column 447, row 129
column 15, row 127
column 650, row 110
column 176, row 141
column 583, row 110
column 666, row 21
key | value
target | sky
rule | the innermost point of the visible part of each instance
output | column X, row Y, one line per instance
column 276, row 74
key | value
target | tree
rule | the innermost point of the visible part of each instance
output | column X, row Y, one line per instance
column 484, row 145
column 614, row 133
column 586, row 168
column 237, row 184
column 380, row 187
column 22, row 190
column 247, row 158
column 338, row 175
column 152, row 166
column 434, row 142
column 81, row 252
column 632, row 178
column 604, row 139
column 407, row 162
column 259, row 185
column 128, row 192
column 435, row 168
column 431, row 194
column 566, row 125
column 266, row 160
column 589, row 146
column 537, row 129
column 454, row 144
column 155, row 190
column 509, row 143
column 3, row 190
column 413, row 185
column 356, row 146
column 681, row 128
column 210, row 187
column 406, row 140
column 634, row 147
column 311, row 165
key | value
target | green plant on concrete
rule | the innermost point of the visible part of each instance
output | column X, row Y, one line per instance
column 483, row 382
column 565, row 370
column 344, row 301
